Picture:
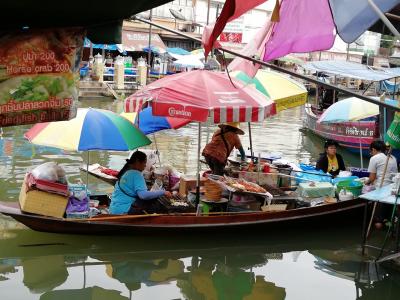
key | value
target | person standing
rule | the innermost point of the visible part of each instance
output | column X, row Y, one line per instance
column 217, row 151
column 330, row 161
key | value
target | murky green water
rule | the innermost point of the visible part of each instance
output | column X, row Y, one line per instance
column 320, row 263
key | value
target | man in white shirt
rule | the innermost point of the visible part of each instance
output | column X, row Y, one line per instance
column 377, row 165
column 376, row 168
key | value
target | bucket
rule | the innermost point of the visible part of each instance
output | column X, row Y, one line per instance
column 287, row 170
column 355, row 187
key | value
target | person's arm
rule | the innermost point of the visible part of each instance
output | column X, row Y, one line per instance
column 321, row 164
column 242, row 153
column 372, row 169
column 238, row 145
column 372, row 178
column 147, row 195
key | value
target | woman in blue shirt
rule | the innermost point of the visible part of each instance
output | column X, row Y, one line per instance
column 130, row 192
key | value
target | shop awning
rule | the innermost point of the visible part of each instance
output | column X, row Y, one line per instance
column 348, row 69
column 137, row 41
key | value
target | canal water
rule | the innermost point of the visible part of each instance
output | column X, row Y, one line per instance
column 319, row 263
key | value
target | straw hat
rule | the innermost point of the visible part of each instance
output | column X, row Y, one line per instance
column 232, row 125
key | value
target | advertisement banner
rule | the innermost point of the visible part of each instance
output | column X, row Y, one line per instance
column 231, row 37
column 39, row 71
column 392, row 135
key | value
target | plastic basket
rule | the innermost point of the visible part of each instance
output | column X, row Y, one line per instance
column 355, row 187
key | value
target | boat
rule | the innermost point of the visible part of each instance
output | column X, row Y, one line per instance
column 349, row 135
column 188, row 222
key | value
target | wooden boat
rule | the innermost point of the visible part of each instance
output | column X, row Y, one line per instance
column 348, row 134
column 184, row 222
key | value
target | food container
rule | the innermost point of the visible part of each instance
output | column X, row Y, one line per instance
column 353, row 186
column 213, row 190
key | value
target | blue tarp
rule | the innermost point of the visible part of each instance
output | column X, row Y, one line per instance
column 388, row 86
column 110, row 47
column 178, row 51
column 349, row 69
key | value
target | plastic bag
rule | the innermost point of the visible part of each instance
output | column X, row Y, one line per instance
column 76, row 205
column 344, row 174
column 50, row 171
column 157, row 186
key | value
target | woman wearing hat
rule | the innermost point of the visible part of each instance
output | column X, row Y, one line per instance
column 330, row 161
column 130, row 193
column 222, row 143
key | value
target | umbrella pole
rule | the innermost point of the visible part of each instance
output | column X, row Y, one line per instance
column 198, row 167
column 251, row 142
column 361, row 154
column 158, row 152
column 87, row 172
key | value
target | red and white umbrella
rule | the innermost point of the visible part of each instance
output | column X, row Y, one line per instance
column 200, row 94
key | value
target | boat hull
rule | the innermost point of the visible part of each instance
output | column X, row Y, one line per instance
column 348, row 134
column 132, row 225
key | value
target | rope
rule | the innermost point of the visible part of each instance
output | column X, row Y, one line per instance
column 226, row 67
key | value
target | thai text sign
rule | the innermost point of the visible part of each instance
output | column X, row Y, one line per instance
column 38, row 75
column 392, row 135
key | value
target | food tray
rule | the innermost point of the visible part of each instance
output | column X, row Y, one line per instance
column 233, row 190
column 166, row 203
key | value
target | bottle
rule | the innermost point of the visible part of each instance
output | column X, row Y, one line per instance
column 199, row 209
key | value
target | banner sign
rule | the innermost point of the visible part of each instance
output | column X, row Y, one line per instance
column 38, row 75
column 392, row 135
column 231, row 37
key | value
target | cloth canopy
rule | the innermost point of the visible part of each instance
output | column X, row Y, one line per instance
column 284, row 91
column 189, row 61
column 200, row 94
column 348, row 69
column 178, row 51
column 139, row 41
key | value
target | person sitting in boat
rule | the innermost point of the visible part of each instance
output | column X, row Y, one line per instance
column 378, row 176
column 217, row 151
column 377, row 163
column 330, row 161
column 130, row 194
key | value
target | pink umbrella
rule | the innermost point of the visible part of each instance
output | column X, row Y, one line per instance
column 200, row 94
column 307, row 25
column 196, row 95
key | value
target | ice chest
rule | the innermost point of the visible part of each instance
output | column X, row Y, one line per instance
column 187, row 183
column 319, row 189
column 42, row 203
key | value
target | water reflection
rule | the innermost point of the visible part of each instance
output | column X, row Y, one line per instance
column 295, row 264
column 266, row 266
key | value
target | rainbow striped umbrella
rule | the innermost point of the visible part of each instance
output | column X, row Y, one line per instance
column 92, row 129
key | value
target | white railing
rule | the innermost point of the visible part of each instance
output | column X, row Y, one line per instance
column 127, row 77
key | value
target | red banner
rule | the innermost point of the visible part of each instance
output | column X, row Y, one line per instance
column 38, row 75
column 232, row 37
